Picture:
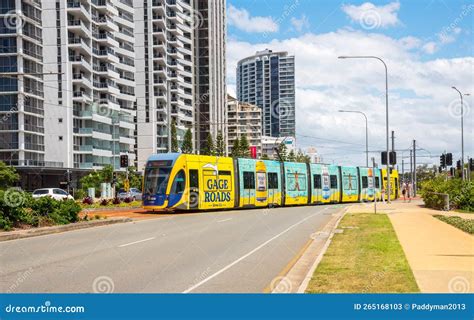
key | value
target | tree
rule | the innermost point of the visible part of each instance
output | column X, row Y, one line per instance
column 209, row 148
column 174, row 137
column 187, row 146
column 244, row 147
column 95, row 178
column 282, row 151
column 220, row 145
column 235, row 153
column 8, row 175
column 291, row 156
column 264, row 157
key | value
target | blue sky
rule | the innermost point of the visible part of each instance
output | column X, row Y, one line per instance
column 417, row 18
column 428, row 47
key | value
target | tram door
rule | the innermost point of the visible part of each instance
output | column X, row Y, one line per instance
column 248, row 195
column 193, row 189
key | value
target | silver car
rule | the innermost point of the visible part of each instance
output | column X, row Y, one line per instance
column 134, row 194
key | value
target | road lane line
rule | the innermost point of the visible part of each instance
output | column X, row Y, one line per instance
column 249, row 253
column 225, row 220
column 135, row 242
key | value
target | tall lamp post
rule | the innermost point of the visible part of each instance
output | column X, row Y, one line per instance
column 366, row 134
column 386, row 114
column 462, row 129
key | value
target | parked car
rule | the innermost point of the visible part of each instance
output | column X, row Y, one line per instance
column 55, row 193
column 134, row 194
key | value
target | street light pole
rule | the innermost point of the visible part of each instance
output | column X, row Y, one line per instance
column 462, row 129
column 366, row 134
column 386, row 114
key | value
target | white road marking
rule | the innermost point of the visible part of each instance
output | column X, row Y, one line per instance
column 248, row 254
column 225, row 220
column 135, row 242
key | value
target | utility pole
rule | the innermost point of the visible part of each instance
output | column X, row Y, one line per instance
column 393, row 141
column 403, row 170
column 168, row 107
column 411, row 166
column 373, row 183
column 414, row 168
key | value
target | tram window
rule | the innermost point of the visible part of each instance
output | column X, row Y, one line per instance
column 272, row 180
column 178, row 183
column 317, row 181
column 249, row 180
column 333, row 181
column 156, row 180
column 377, row 182
column 193, row 179
column 365, row 182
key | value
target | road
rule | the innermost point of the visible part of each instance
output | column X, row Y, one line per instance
column 226, row 251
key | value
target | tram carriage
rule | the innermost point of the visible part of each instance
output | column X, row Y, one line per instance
column 177, row 181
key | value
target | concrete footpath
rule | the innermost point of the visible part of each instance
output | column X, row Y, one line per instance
column 440, row 255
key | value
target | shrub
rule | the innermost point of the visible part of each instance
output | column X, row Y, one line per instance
column 104, row 202
column 461, row 193
column 128, row 200
column 116, row 200
column 79, row 194
column 88, row 200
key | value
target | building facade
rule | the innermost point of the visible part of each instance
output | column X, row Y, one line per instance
column 267, row 79
column 270, row 143
column 180, row 72
column 90, row 93
column 244, row 119
column 22, row 112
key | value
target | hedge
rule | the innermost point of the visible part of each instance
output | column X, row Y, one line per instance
column 19, row 208
column 461, row 193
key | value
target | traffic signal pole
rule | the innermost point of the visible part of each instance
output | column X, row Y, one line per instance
column 414, row 168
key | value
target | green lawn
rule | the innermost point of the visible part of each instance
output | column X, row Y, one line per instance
column 466, row 225
column 365, row 258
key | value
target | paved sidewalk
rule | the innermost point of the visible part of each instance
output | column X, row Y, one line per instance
column 440, row 255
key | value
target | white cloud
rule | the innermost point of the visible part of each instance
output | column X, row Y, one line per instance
column 300, row 24
column 370, row 16
column 422, row 103
column 241, row 19
column 430, row 47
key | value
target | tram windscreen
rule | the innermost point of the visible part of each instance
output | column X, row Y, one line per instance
column 156, row 180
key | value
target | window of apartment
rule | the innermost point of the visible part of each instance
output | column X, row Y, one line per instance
column 8, row 45
column 60, row 138
column 60, row 120
column 8, row 64
column 8, row 84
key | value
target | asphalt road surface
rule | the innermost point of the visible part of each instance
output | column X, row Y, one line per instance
column 226, row 251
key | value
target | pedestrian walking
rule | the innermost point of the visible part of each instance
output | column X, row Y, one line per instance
column 404, row 191
column 409, row 189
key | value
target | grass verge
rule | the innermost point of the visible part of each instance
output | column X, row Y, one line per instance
column 365, row 258
column 466, row 225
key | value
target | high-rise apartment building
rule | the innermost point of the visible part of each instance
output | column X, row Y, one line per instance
column 180, row 47
column 22, row 115
column 244, row 119
column 267, row 79
column 90, row 95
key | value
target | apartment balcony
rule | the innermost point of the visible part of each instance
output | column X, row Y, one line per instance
column 79, row 27
column 79, row 78
column 78, row 8
column 81, row 96
column 80, row 61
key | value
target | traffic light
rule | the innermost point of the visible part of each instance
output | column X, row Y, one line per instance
column 124, row 161
column 449, row 159
column 452, row 171
column 114, row 177
column 471, row 164
column 393, row 157
column 442, row 161
column 458, row 164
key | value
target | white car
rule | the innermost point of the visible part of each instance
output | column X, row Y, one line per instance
column 55, row 193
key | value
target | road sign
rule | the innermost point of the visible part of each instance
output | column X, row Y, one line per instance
column 126, row 185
